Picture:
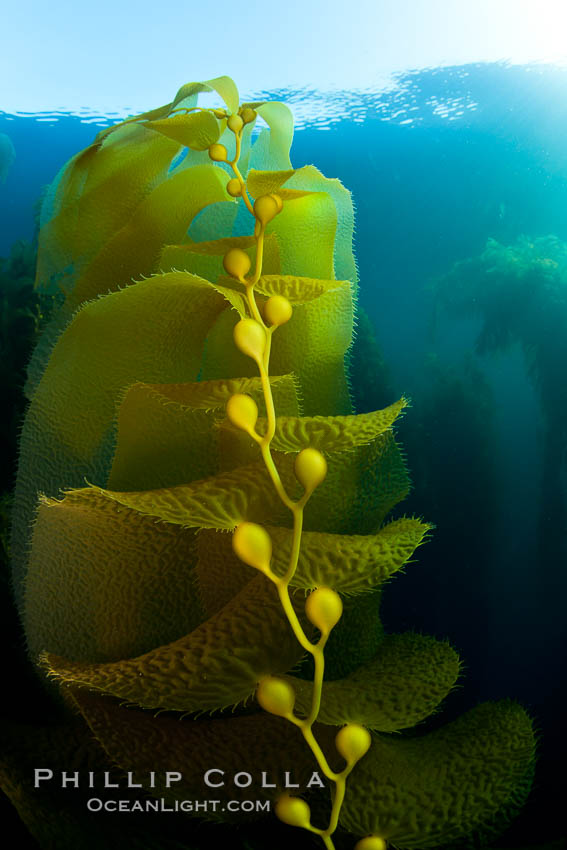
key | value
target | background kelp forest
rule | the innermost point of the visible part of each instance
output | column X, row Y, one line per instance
column 460, row 189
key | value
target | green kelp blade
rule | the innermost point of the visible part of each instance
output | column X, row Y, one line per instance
column 404, row 683
column 312, row 345
column 266, row 182
column 217, row 665
column 221, row 501
column 167, row 434
column 335, row 436
column 162, row 441
column 310, row 179
column 356, row 638
column 330, row 433
column 279, row 118
column 59, row 222
column 314, row 342
column 205, row 258
column 96, row 196
column 213, row 395
column 198, row 130
column 127, row 166
column 306, row 229
column 237, row 300
column 153, row 331
column 425, row 792
column 349, row 563
column 360, row 490
column 334, row 256
column 219, row 572
column 361, row 487
column 297, row 290
column 105, row 583
column 224, row 86
column 137, row 741
column 117, row 340
column 160, row 219
column 149, row 115
column 352, row 564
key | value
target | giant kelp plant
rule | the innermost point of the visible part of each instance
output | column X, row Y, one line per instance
column 7, row 156
column 209, row 519
column 519, row 292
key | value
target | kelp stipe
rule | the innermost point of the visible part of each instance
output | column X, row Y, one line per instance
column 130, row 591
column 252, row 543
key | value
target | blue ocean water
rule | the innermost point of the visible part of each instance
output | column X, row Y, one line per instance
column 439, row 163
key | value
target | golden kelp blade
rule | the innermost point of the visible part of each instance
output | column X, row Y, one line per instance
column 310, row 179
column 437, row 789
column 161, row 218
column 224, row 86
column 332, row 433
column 197, row 131
column 98, row 192
column 111, row 343
column 351, row 563
column 105, row 583
column 219, row 573
column 205, row 258
column 216, row 665
column 136, row 740
column 221, row 501
column 166, row 432
column 401, row 686
column 313, row 346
